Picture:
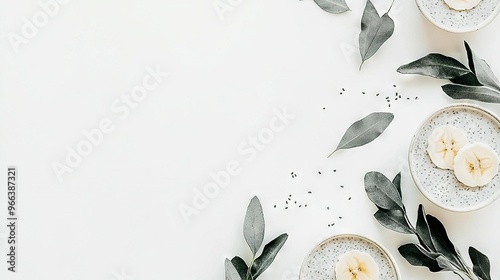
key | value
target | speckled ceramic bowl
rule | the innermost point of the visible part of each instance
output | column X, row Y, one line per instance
column 320, row 263
column 437, row 12
column 441, row 186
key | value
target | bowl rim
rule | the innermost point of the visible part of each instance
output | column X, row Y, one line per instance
column 410, row 159
column 484, row 23
column 344, row 235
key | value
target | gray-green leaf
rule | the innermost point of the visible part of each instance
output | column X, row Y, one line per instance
column 397, row 183
column 441, row 241
column 483, row 94
column 468, row 79
column 481, row 264
column 365, row 130
column 268, row 254
column 240, row 266
column 375, row 31
column 416, row 257
column 333, row 6
column 435, row 65
column 424, row 234
column 382, row 192
column 394, row 220
column 254, row 225
column 231, row 272
column 482, row 70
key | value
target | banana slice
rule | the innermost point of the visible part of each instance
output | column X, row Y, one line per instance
column 356, row 265
column 462, row 5
column 444, row 143
column 476, row 164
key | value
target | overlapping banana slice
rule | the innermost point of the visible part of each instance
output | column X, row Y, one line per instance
column 443, row 145
column 473, row 164
column 462, row 5
column 356, row 265
column 476, row 164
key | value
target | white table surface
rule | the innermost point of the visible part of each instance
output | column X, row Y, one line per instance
column 116, row 215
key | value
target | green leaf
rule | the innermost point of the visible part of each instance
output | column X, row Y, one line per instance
column 333, row 6
column 423, row 231
column 375, row 31
column 481, row 264
column 483, row 94
column 394, row 220
column 440, row 240
column 231, row 272
column 382, row 191
column 397, row 183
column 414, row 255
column 254, row 225
column 482, row 70
column 268, row 254
column 468, row 79
column 435, row 65
column 365, row 130
column 240, row 266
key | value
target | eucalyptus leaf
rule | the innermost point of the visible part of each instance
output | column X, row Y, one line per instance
column 481, row 264
column 397, row 183
column 423, row 230
column 435, row 65
column 231, row 272
column 394, row 220
column 483, row 94
column 240, row 266
column 268, row 254
column 415, row 257
column 441, row 241
column 375, row 31
column 446, row 264
column 254, row 225
column 468, row 79
column 382, row 192
column 333, row 6
column 482, row 70
column 365, row 130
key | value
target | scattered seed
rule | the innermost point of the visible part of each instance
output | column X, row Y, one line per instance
column 309, row 192
column 363, row 92
column 328, row 208
column 286, row 207
column 341, row 186
column 416, row 97
column 393, row 85
column 305, row 205
column 334, row 170
column 340, row 218
column 349, row 198
column 319, row 172
column 300, row 206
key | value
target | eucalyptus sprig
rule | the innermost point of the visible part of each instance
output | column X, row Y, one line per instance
column 253, row 231
column 434, row 249
column 476, row 82
column 375, row 29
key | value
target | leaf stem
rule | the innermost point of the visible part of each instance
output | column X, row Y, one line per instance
column 390, row 7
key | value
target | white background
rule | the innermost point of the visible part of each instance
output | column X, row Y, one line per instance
column 117, row 213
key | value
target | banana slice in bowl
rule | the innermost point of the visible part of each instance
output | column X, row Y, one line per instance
column 473, row 181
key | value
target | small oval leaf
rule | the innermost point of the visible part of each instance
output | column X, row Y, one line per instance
column 231, row 272
column 441, row 241
column 375, row 31
column 333, row 6
column 415, row 257
column 268, row 254
column 254, row 225
column 240, row 266
column 365, row 130
column 482, row 94
column 393, row 220
column 480, row 264
column 382, row 192
column 397, row 183
column 435, row 65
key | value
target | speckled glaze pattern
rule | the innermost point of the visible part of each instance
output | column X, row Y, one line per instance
column 441, row 15
column 441, row 186
column 320, row 263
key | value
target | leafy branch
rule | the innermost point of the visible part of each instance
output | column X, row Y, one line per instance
column 375, row 29
column 253, row 231
column 434, row 249
column 476, row 82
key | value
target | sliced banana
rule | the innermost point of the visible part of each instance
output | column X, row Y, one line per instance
column 444, row 143
column 462, row 5
column 356, row 265
column 476, row 164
